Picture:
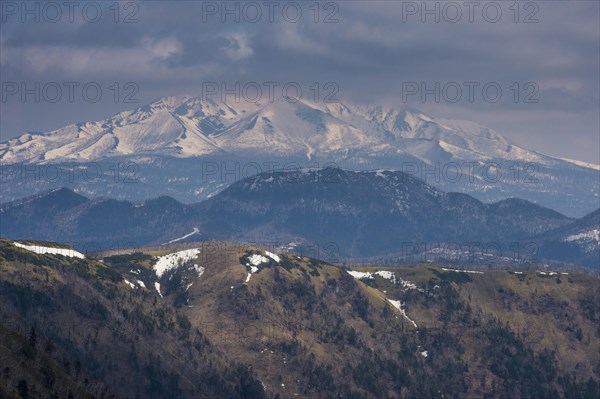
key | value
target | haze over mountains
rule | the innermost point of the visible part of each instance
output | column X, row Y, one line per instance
column 357, row 214
column 192, row 148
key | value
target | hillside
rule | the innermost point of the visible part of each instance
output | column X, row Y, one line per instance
column 578, row 241
column 366, row 213
column 94, row 223
column 300, row 327
column 361, row 215
column 72, row 328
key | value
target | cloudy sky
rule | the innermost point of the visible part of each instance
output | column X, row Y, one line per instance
column 544, row 56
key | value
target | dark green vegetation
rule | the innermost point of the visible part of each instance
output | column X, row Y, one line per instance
column 75, row 328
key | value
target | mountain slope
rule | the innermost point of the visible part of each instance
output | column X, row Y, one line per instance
column 231, row 320
column 579, row 241
column 169, row 126
column 191, row 126
column 312, row 328
column 355, row 214
column 174, row 138
column 94, row 224
column 366, row 213
column 73, row 328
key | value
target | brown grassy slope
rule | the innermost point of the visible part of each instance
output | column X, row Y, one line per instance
column 301, row 317
column 97, row 337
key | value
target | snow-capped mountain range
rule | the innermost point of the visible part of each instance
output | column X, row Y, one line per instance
column 192, row 129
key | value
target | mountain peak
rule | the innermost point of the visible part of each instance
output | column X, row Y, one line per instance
column 169, row 102
column 61, row 196
column 187, row 126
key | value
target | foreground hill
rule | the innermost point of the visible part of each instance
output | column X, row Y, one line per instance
column 224, row 320
column 71, row 328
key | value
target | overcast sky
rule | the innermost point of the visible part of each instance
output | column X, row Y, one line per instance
column 547, row 52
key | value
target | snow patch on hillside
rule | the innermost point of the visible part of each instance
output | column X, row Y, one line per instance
column 257, row 259
column 194, row 231
column 388, row 275
column 398, row 305
column 38, row 249
column 461, row 271
column 592, row 235
column 167, row 262
column 273, row 256
column 253, row 269
column 381, row 273
column 199, row 270
column 157, row 287
column 356, row 274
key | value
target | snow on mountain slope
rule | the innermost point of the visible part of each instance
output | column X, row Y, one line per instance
column 186, row 127
column 40, row 249
column 591, row 236
column 172, row 126
column 173, row 136
column 169, row 261
column 582, row 164
column 193, row 232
